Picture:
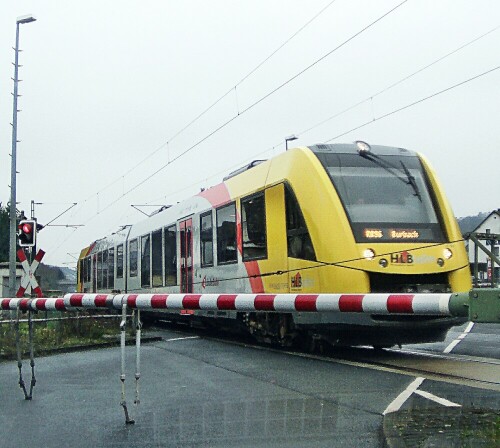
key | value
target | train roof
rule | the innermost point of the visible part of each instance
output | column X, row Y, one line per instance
column 353, row 148
column 238, row 181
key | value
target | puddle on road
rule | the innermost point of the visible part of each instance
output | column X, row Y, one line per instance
column 443, row 428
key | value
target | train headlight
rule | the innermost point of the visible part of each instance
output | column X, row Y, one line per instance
column 369, row 254
column 383, row 262
column 447, row 254
column 440, row 262
column 362, row 146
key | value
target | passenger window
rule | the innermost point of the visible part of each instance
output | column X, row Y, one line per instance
column 298, row 239
column 253, row 227
column 111, row 268
column 99, row 270
column 170, row 257
column 133, row 248
column 88, row 269
column 157, row 252
column 119, row 261
column 145, row 262
column 80, row 271
column 105, row 269
column 206, row 238
column 226, row 234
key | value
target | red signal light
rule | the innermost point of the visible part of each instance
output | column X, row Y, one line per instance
column 27, row 233
column 26, row 228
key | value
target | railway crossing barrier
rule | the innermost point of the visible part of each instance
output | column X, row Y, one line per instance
column 478, row 305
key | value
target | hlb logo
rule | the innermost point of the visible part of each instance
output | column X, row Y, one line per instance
column 402, row 258
column 297, row 280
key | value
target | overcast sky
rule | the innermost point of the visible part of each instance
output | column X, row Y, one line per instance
column 106, row 84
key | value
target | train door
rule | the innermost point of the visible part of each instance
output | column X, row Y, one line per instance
column 186, row 255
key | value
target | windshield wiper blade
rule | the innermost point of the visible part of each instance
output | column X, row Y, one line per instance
column 411, row 181
column 408, row 179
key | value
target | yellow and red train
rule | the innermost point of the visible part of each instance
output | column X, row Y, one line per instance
column 338, row 218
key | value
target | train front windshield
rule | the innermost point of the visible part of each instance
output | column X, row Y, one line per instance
column 386, row 198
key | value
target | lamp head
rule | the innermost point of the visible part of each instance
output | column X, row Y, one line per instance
column 26, row 19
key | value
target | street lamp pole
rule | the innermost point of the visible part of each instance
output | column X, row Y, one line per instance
column 290, row 138
column 13, row 172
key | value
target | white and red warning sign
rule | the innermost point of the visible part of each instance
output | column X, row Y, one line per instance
column 28, row 280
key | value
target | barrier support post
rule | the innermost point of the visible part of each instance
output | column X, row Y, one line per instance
column 138, row 327
column 123, row 329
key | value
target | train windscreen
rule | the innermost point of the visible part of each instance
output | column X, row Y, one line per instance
column 387, row 198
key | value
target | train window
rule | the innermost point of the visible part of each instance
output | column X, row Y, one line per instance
column 386, row 197
column 226, row 234
column 298, row 239
column 88, row 269
column 99, row 270
column 253, row 227
column 206, row 240
column 119, row 261
column 157, row 263
column 145, row 261
column 111, row 268
column 132, row 249
column 105, row 269
column 170, row 257
column 80, row 271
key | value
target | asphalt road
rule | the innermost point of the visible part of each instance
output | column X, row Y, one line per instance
column 196, row 392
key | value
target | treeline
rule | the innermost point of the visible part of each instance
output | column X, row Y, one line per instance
column 469, row 223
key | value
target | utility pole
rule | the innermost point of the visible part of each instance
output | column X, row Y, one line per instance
column 13, row 172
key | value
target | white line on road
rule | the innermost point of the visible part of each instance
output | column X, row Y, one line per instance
column 413, row 387
column 182, row 339
column 460, row 338
column 403, row 396
column 439, row 400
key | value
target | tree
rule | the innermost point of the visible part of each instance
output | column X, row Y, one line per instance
column 4, row 233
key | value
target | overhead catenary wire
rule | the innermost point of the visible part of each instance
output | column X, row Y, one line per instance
column 414, row 103
column 254, row 104
column 239, row 114
column 400, row 81
column 218, row 100
column 322, row 264
column 370, row 98
column 393, row 112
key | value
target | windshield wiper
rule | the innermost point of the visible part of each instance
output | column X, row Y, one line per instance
column 408, row 179
column 411, row 181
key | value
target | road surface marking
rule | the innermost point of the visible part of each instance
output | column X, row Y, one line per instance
column 460, row 338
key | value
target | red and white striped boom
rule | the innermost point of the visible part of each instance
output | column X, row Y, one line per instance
column 393, row 304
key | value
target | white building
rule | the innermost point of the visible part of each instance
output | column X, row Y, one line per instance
column 4, row 278
column 490, row 225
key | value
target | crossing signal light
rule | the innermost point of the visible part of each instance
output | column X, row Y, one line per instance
column 27, row 232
